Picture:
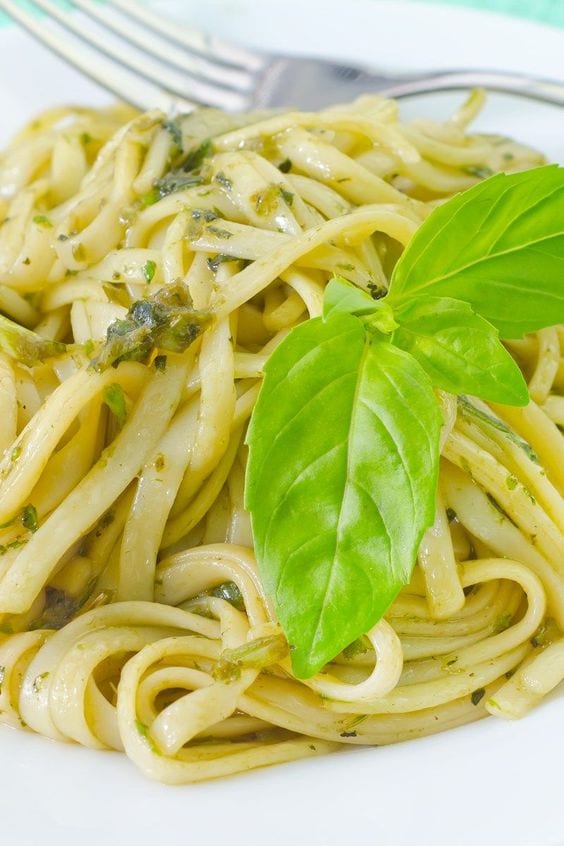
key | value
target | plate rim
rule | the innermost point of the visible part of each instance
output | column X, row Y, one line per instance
column 45, row 769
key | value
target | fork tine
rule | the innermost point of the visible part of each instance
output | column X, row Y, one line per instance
column 167, row 51
column 126, row 85
column 214, row 48
column 169, row 79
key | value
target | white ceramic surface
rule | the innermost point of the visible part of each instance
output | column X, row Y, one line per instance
column 489, row 783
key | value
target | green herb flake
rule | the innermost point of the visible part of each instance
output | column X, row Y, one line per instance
column 266, row 201
column 175, row 133
column 186, row 176
column 223, row 180
column 151, row 197
column 500, row 512
column 60, row 608
column 204, row 214
column 511, row 481
column 85, row 138
column 39, row 680
column 29, row 518
column 106, row 520
column 256, row 654
column 219, row 233
column 376, row 291
column 174, row 182
column 287, row 196
column 470, row 411
column 530, row 496
column 477, row 696
column 142, row 728
column 160, row 363
column 481, row 171
column 214, row 262
column 26, row 346
column 166, row 320
column 42, row 220
column 502, row 623
column 230, row 593
column 114, row 398
column 15, row 544
column 143, row 731
column 545, row 634
column 285, row 166
column 89, row 347
column 356, row 721
column 159, row 462
column 149, row 269
column 197, row 157
column 357, row 647
column 451, row 514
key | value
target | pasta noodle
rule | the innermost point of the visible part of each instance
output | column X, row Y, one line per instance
column 131, row 613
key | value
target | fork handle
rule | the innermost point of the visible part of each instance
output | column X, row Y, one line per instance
column 313, row 83
column 545, row 90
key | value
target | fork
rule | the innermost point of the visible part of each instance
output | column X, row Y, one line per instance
column 151, row 62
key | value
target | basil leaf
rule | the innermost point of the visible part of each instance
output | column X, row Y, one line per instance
column 459, row 350
column 499, row 246
column 342, row 297
column 341, row 481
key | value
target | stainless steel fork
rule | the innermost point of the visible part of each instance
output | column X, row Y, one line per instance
column 149, row 61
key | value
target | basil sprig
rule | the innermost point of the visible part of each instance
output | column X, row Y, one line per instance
column 344, row 438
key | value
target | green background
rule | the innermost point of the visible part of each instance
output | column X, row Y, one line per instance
column 547, row 11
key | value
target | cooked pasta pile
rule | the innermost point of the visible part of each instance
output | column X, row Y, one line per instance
column 131, row 612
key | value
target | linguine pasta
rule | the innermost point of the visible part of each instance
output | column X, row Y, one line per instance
column 131, row 613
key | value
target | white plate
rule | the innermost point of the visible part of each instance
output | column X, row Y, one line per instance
column 490, row 783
